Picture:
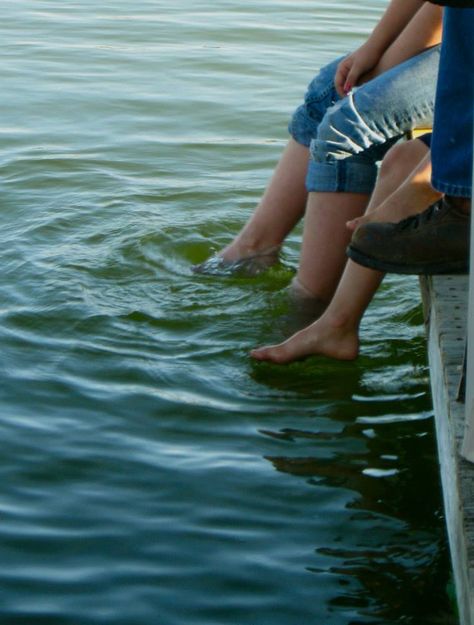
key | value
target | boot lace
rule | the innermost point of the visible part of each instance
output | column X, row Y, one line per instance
column 415, row 221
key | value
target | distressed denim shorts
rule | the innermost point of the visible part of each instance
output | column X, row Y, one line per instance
column 348, row 136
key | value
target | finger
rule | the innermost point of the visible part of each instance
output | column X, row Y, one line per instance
column 339, row 85
column 341, row 77
column 351, row 79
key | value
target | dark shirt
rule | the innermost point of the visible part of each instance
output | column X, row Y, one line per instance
column 460, row 4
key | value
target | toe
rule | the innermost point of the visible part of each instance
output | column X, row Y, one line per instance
column 272, row 353
column 260, row 353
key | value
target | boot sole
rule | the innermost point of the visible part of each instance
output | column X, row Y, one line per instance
column 424, row 269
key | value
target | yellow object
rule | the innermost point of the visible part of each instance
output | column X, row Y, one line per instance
column 417, row 132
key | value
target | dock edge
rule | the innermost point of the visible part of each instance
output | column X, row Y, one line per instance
column 445, row 308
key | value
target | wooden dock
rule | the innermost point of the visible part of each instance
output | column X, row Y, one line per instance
column 445, row 301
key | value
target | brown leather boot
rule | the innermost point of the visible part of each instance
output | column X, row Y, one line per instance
column 433, row 242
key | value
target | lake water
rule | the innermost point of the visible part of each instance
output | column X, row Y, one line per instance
column 151, row 474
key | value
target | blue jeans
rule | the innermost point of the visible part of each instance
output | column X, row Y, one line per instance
column 348, row 136
column 451, row 147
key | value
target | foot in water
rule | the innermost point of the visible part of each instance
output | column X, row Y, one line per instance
column 303, row 307
column 248, row 265
column 325, row 337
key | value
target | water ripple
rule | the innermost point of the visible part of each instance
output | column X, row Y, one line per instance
column 151, row 472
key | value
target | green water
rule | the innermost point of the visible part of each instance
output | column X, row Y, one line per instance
column 151, row 474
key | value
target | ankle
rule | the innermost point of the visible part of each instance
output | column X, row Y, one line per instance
column 341, row 322
column 249, row 245
column 299, row 291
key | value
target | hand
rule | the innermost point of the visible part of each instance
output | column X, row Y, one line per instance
column 351, row 69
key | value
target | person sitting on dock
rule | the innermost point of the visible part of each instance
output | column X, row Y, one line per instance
column 438, row 240
column 403, row 188
column 355, row 110
column 435, row 241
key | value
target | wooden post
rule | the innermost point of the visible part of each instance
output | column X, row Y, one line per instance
column 467, row 449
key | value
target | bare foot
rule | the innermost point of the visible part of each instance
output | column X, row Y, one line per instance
column 353, row 224
column 391, row 212
column 324, row 337
column 379, row 216
column 247, row 263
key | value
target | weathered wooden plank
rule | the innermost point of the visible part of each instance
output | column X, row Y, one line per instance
column 445, row 307
column 467, row 448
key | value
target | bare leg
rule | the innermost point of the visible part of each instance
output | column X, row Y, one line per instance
column 257, row 245
column 325, row 239
column 335, row 333
column 283, row 203
column 281, row 207
column 414, row 191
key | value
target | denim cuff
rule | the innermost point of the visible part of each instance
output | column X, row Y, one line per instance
column 457, row 190
column 341, row 176
column 302, row 127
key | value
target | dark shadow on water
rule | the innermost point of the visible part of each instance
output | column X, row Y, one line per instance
column 394, row 568
column 309, row 376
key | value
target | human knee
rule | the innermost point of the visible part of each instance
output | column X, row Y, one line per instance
column 394, row 159
column 320, row 95
column 402, row 158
